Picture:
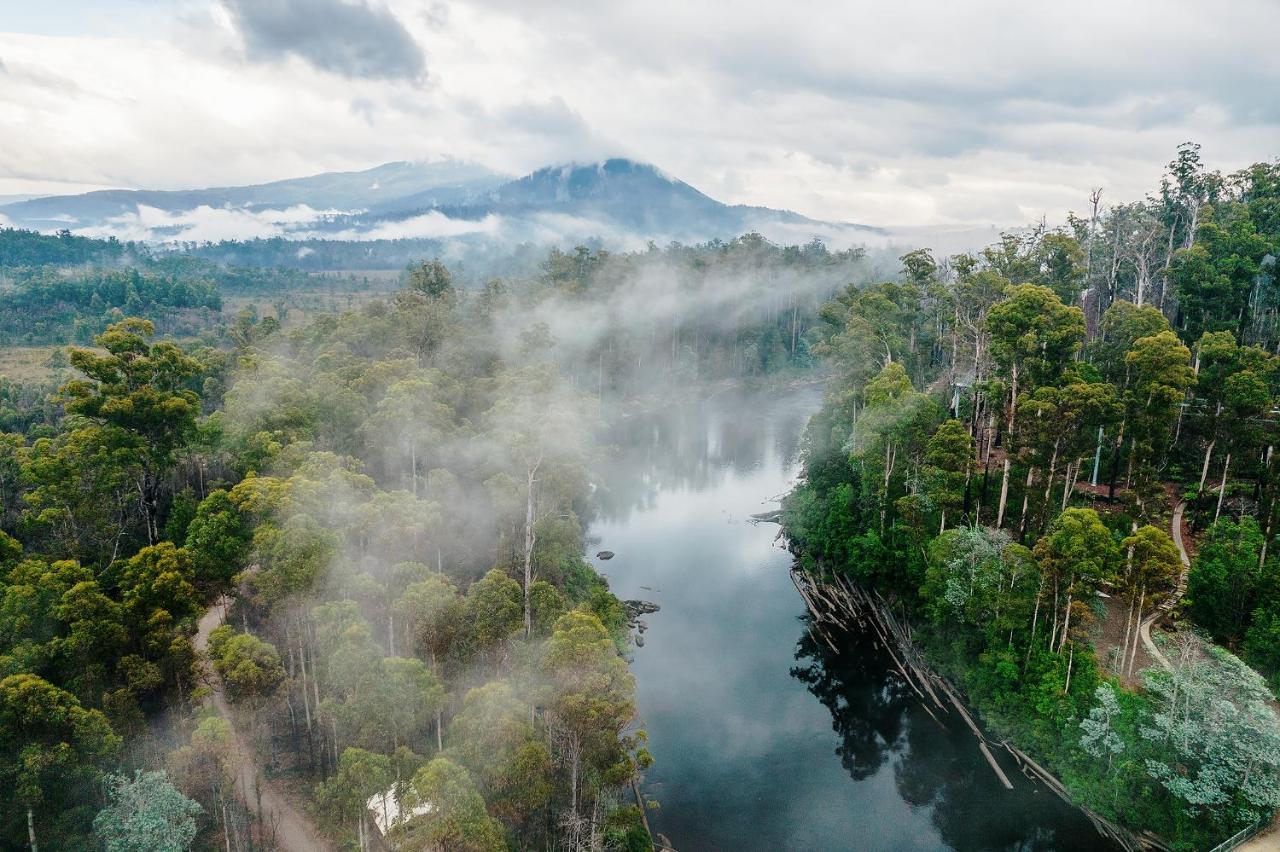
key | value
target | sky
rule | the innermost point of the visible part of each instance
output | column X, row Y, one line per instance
column 903, row 113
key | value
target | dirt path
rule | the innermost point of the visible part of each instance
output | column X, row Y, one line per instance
column 1175, row 528
column 292, row 830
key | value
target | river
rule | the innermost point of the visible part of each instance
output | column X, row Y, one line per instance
column 762, row 739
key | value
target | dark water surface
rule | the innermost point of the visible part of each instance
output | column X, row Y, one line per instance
column 762, row 739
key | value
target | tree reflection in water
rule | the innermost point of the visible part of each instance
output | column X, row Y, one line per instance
column 695, row 446
column 879, row 721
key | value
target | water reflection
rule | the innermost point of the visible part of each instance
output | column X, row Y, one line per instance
column 695, row 447
column 879, row 720
column 745, row 757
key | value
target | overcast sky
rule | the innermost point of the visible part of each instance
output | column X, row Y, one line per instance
column 876, row 112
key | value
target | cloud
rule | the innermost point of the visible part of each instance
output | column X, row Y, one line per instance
column 300, row 221
column 914, row 113
column 209, row 224
column 432, row 224
column 349, row 37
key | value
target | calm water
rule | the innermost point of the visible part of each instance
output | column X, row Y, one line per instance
column 762, row 739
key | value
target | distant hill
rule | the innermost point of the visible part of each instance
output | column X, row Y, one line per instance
column 447, row 182
column 617, row 200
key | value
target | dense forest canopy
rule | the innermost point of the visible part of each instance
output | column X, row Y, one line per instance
column 394, row 497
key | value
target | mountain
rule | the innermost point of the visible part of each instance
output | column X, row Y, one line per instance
column 629, row 200
column 618, row 200
column 446, row 182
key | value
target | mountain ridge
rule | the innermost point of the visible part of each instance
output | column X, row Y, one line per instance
column 617, row 197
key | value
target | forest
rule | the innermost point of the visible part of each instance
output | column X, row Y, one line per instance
column 345, row 555
column 339, row 549
column 1015, row 446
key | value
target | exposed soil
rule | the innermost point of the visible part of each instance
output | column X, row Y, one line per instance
column 285, row 823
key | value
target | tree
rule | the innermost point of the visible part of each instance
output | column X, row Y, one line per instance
column 146, row 814
column 456, row 817
column 1227, row 579
column 410, row 697
column 140, row 389
column 249, row 666
column 1099, row 736
column 1152, row 566
column 1220, row 753
column 218, row 539
column 410, row 419
column 47, row 739
column 592, row 692
column 493, row 737
column 1215, row 277
column 1123, row 324
column 205, row 769
column 1159, row 369
column 947, row 460
column 894, row 418
column 361, row 775
column 544, row 429
column 1076, row 555
column 1033, row 336
column 965, row 575
column 436, row 616
column 431, row 278
column 493, row 604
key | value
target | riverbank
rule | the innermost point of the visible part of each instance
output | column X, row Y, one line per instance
column 835, row 602
column 763, row 738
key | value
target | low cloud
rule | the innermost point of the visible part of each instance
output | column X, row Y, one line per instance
column 353, row 38
column 208, row 224
column 430, row 225
column 300, row 222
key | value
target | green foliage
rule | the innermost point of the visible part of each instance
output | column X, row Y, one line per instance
column 456, row 818
column 250, row 667
column 361, row 775
column 217, row 537
column 1227, row 579
column 1012, row 623
column 146, row 814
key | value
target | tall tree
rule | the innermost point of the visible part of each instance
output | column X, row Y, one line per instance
column 1033, row 337
column 141, row 389
column 146, row 814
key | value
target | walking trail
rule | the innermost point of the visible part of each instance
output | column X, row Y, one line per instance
column 291, row 829
column 1144, row 629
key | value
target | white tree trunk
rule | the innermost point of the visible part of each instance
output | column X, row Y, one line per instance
column 1222, row 487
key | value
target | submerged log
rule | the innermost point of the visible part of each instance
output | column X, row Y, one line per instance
column 843, row 602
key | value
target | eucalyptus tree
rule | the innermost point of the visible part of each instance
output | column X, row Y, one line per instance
column 542, row 431
column 1033, row 337
column 896, row 419
column 1152, row 564
column 1077, row 555
column 138, row 389
column 454, row 817
column 948, row 462
column 591, row 698
column 48, row 740
column 146, row 814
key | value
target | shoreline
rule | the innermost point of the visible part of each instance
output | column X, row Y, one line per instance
column 846, row 605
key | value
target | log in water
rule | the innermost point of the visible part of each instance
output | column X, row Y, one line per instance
column 835, row 600
column 766, row 735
